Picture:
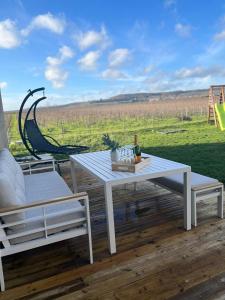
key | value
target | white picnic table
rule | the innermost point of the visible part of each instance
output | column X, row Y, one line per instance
column 98, row 164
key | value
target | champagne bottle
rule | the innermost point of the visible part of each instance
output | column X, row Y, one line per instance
column 137, row 150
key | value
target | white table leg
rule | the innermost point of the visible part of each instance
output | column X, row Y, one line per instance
column 187, row 200
column 73, row 175
column 193, row 209
column 220, row 203
column 110, row 218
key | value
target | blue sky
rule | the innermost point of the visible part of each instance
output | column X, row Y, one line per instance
column 85, row 50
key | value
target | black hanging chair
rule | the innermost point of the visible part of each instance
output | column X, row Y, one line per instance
column 32, row 137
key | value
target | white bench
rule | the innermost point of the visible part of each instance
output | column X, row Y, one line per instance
column 202, row 188
column 37, row 209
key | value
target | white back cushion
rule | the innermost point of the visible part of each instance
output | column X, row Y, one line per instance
column 12, row 188
column 8, row 198
column 10, row 168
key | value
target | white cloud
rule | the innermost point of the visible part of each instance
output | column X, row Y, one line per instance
column 190, row 72
column 91, row 38
column 56, row 75
column 113, row 74
column 46, row 21
column 3, row 85
column 66, row 52
column 212, row 54
column 186, row 78
column 169, row 3
column 53, row 71
column 183, row 30
column 148, row 69
column 220, row 36
column 9, row 36
column 89, row 60
column 199, row 72
column 119, row 56
column 169, row 83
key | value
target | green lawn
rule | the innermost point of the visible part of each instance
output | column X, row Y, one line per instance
column 202, row 146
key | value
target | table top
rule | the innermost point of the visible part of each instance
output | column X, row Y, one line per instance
column 99, row 164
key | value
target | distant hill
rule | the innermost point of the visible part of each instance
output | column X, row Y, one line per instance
column 158, row 96
column 142, row 97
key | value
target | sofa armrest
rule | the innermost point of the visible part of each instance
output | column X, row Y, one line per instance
column 45, row 227
column 31, row 167
column 43, row 203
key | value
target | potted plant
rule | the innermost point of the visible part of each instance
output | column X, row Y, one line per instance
column 113, row 145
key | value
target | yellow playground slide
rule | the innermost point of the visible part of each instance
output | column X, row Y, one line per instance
column 220, row 112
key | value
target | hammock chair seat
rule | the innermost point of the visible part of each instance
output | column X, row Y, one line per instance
column 40, row 142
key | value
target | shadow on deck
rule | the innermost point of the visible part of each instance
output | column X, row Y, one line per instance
column 156, row 258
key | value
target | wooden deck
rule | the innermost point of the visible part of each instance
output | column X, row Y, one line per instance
column 156, row 258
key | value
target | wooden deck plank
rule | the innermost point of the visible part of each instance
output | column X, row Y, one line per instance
column 149, row 272
column 156, row 258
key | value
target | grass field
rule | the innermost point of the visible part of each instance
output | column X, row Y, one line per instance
column 202, row 146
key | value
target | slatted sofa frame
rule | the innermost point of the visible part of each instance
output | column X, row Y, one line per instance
column 202, row 192
column 84, row 224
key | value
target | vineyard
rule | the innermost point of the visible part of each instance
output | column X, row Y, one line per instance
column 74, row 117
column 193, row 141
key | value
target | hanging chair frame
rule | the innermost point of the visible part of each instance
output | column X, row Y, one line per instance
column 62, row 149
column 22, row 130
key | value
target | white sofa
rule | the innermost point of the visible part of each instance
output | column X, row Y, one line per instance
column 37, row 208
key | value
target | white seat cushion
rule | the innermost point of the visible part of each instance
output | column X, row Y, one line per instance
column 47, row 186
column 175, row 182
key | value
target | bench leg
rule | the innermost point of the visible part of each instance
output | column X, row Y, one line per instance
column 187, row 199
column 220, row 204
column 125, row 186
column 73, row 175
column 2, row 276
column 89, row 230
column 193, row 209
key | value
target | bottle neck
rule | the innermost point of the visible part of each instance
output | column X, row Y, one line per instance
column 135, row 139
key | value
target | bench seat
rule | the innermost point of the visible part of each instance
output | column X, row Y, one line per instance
column 175, row 182
column 202, row 187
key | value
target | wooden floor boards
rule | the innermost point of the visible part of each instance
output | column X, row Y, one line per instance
column 156, row 258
